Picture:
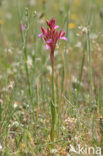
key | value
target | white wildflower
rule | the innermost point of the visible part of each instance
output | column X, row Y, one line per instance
column 9, row 51
column 15, row 104
column 11, row 85
column 80, row 27
column 84, row 30
column 53, row 151
column 0, row 147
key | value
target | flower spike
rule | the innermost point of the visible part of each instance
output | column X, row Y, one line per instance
column 51, row 36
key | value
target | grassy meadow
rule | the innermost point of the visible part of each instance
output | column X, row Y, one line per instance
column 26, row 78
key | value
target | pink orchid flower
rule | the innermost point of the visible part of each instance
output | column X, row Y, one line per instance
column 51, row 36
column 23, row 27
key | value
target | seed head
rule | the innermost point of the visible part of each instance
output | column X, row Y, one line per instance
column 84, row 30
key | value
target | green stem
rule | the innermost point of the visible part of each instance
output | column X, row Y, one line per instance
column 24, row 38
column 53, row 108
column 27, row 71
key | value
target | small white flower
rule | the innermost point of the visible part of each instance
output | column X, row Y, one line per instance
column 15, row 104
column 11, row 85
column 84, row 30
column 77, row 34
column 0, row 147
column 15, row 123
column 9, row 51
column 80, row 27
column 53, row 151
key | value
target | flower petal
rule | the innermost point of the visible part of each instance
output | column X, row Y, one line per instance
column 63, row 34
column 64, row 38
column 47, row 46
column 23, row 27
column 49, row 41
column 56, row 27
column 44, row 31
column 51, row 23
column 60, row 32
column 40, row 35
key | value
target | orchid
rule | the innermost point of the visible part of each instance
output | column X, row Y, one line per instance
column 51, row 36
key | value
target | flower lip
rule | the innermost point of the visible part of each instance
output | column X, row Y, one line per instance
column 40, row 35
column 64, row 38
column 49, row 41
column 47, row 46
column 56, row 27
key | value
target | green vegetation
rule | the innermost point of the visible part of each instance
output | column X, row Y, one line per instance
column 26, row 77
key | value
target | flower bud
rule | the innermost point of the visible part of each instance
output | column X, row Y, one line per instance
column 26, row 11
column 35, row 13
